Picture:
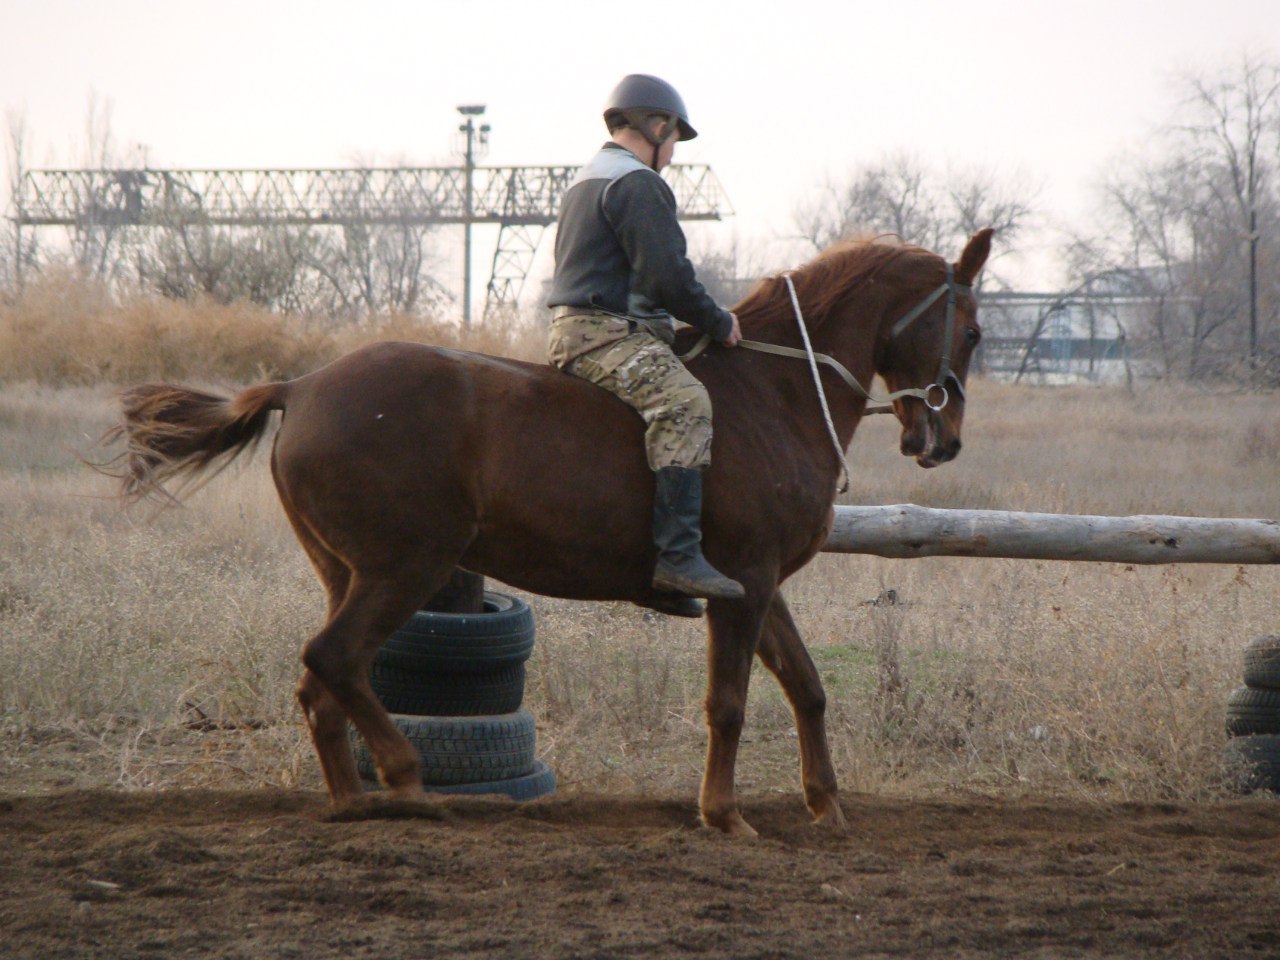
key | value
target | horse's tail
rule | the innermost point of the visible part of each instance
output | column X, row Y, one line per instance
column 175, row 433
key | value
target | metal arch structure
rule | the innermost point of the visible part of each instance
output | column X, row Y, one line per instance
column 522, row 201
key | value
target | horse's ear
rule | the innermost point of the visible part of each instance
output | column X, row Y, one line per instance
column 975, row 255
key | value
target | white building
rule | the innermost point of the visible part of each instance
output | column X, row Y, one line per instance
column 1079, row 335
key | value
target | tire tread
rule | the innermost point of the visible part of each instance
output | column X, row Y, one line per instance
column 463, row 642
column 461, row 750
column 1262, row 662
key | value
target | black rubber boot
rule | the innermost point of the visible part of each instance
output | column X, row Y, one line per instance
column 677, row 531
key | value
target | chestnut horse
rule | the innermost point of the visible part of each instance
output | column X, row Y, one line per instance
column 400, row 462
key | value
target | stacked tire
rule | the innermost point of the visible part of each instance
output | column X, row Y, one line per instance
column 454, row 685
column 1253, row 719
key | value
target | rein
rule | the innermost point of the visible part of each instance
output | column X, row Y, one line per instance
column 883, row 404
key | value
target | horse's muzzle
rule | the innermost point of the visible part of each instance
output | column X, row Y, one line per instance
column 940, row 454
column 929, row 440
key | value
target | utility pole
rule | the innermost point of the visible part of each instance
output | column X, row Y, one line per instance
column 477, row 142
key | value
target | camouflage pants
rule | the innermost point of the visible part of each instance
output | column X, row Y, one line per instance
column 641, row 370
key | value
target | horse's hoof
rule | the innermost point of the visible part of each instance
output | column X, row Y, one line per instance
column 344, row 795
column 832, row 819
column 338, row 804
column 408, row 791
column 730, row 823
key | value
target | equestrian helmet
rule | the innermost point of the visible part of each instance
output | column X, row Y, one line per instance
column 639, row 94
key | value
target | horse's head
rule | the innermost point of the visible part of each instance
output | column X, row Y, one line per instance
column 929, row 345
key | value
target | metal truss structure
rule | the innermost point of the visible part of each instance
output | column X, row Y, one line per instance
column 523, row 201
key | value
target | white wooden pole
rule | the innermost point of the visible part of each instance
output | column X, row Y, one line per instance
column 905, row 530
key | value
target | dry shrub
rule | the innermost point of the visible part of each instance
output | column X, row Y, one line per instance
column 68, row 330
column 617, row 692
column 65, row 329
column 1097, row 679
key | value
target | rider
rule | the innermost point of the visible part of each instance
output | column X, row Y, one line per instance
column 621, row 272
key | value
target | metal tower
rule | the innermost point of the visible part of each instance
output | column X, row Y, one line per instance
column 522, row 201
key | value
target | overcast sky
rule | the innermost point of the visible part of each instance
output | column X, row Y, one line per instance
column 784, row 94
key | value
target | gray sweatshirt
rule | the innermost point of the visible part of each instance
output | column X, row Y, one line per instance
column 619, row 247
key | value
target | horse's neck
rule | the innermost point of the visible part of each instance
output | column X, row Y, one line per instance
column 847, row 331
column 848, row 335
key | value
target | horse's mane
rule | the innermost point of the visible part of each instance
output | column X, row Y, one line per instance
column 821, row 283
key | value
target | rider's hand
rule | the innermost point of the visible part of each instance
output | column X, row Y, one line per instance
column 735, row 334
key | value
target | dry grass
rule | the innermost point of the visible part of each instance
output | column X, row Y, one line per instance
column 68, row 330
column 117, row 628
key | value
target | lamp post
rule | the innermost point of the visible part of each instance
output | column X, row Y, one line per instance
column 477, row 140
column 464, row 593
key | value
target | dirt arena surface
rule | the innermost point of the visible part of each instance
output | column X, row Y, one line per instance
column 275, row 874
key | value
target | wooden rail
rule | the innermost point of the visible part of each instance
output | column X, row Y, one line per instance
column 905, row 530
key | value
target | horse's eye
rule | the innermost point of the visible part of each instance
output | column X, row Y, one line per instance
column 973, row 335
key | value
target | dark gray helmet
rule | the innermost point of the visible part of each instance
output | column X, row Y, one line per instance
column 640, row 93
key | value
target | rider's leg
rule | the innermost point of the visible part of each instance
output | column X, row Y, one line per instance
column 644, row 372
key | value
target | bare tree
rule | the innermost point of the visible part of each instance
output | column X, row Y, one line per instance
column 1236, row 128
column 183, row 260
column 18, row 248
column 96, row 242
column 1196, row 230
column 892, row 196
column 979, row 199
column 377, row 267
column 900, row 196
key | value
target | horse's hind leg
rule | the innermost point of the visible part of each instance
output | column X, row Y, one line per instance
column 782, row 651
column 339, row 657
column 327, row 722
column 335, row 686
column 733, row 627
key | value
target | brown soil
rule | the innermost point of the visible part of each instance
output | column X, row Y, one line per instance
column 275, row 874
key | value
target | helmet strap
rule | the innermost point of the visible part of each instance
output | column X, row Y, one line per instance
column 656, row 133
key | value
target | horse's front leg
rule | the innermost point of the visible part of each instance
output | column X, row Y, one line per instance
column 782, row 651
column 733, row 628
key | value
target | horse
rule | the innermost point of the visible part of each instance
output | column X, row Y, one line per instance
column 401, row 462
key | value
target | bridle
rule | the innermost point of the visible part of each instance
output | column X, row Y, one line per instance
column 945, row 372
column 945, row 375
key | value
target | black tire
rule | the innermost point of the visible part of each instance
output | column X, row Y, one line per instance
column 1262, row 663
column 448, row 694
column 463, row 642
column 1251, row 710
column 462, row 750
column 537, row 783
column 1253, row 763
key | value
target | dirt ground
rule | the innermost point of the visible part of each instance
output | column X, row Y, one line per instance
column 276, row 874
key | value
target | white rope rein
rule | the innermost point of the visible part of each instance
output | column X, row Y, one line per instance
column 817, row 382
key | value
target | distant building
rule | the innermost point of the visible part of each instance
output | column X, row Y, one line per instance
column 1095, row 333
column 1085, row 334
